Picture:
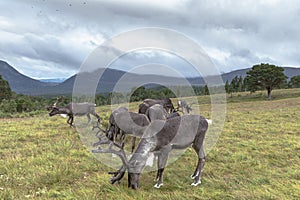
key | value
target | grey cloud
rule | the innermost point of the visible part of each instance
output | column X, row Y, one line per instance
column 245, row 32
column 50, row 48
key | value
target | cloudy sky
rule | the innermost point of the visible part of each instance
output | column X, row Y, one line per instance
column 52, row 38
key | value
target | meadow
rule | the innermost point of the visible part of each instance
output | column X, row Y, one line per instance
column 256, row 157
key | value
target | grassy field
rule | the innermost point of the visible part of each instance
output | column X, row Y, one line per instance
column 256, row 157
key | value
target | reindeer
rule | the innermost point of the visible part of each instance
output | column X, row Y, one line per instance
column 147, row 103
column 161, row 137
column 156, row 111
column 128, row 122
column 167, row 108
column 74, row 109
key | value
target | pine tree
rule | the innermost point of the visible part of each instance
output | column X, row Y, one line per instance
column 265, row 76
column 5, row 91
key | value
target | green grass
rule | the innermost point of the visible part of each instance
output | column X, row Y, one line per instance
column 256, row 157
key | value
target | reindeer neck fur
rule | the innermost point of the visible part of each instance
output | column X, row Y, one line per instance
column 138, row 160
column 64, row 110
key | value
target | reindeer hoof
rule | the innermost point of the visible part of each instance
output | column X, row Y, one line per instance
column 193, row 176
column 158, row 185
column 195, row 184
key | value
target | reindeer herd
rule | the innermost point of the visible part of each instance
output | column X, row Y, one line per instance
column 158, row 125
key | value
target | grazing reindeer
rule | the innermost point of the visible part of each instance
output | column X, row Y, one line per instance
column 147, row 103
column 114, row 130
column 156, row 111
column 74, row 109
column 161, row 137
column 127, row 122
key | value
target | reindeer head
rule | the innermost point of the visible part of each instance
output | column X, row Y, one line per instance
column 131, row 166
column 135, row 167
column 168, row 105
column 53, row 109
column 133, row 180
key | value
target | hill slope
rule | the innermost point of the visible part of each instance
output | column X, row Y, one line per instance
column 18, row 82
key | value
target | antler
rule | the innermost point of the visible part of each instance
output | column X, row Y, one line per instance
column 117, row 176
column 49, row 108
column 57, row 100
column 184, row 104
column 121, row 153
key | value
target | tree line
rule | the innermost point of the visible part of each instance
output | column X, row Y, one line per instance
column 11, row 103
column 260, row 77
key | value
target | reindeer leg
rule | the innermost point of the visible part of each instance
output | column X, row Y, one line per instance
column 199, row 169
column 70, row 120
column 116, row 133
column 161, row 163
column 198, row 173
column 157, row 174
column 122, row 136
column 97, row 116
column 89, row 118
column 133, row 144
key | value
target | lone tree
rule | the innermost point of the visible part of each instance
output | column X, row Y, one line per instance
column 265, row 76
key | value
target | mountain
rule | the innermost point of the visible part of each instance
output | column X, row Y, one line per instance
column 108, row 82
column 111, row 80
column 291, row 71
column 18, row 82
column 119, row 81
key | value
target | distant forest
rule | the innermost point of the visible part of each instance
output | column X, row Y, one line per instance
column 12, row 104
